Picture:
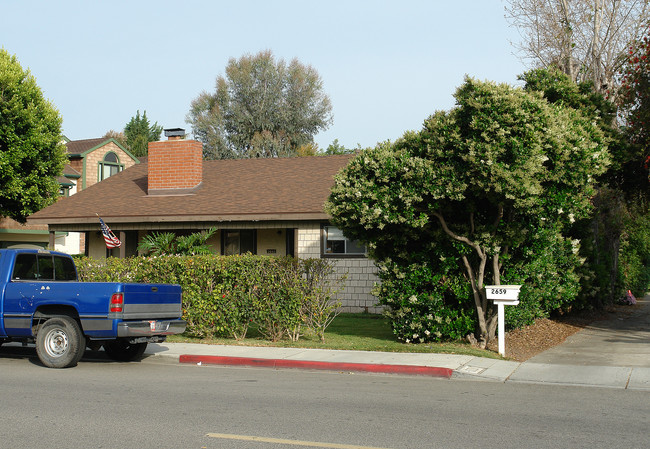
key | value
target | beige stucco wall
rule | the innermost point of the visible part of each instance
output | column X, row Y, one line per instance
column 96, row 245
column 272, row 242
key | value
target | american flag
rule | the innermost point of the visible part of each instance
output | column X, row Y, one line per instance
column 109, row 237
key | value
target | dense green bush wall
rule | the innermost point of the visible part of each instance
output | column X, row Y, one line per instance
column 223, row 296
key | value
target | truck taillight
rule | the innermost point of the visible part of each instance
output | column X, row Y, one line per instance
column 117, row 302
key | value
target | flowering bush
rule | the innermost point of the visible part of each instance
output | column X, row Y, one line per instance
column 424, row 301
column 501, row 173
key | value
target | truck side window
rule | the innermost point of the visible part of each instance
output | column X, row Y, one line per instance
column 25, row 267
column 45, row 268
column 64, row 269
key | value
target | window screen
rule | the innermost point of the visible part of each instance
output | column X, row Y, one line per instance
column 336, row 243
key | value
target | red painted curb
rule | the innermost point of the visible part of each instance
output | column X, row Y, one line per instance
column 331, row 366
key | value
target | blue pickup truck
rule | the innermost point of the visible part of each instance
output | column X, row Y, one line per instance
column 41, row 301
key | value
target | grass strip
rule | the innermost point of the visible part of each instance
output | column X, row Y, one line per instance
column 349, row 331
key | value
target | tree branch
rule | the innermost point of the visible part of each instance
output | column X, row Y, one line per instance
column 457, row 237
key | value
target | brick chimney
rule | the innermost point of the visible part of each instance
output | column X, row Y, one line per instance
column 175, row 165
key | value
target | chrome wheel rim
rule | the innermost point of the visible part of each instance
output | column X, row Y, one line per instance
column 56, row 343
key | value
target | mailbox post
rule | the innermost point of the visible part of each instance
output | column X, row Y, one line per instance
column 502, row 295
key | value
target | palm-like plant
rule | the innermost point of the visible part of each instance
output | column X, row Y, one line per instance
column 164, row 243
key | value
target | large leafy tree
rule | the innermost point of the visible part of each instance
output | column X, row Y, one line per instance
column 634, row 94
column 586, row 39
column 31, row 150
column 139, row 132
column 604, row 233
column 489, row 187
column 262, row 107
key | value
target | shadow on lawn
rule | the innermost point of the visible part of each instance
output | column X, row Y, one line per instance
column 362, row 325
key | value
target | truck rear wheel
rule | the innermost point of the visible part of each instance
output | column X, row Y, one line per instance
column 60, row 342
column 123, row 351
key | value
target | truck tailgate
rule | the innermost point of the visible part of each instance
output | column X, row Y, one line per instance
column 151, row 301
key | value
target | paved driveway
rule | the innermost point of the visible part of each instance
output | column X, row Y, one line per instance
column 623, row 340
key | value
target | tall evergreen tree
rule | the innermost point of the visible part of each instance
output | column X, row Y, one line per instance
column 139, row 133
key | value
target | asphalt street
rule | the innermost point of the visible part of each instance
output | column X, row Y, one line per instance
column 160, row 403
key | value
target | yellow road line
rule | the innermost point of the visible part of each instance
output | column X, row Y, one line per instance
column 227, row 436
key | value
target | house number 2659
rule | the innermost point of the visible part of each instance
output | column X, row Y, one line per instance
column 498, row 291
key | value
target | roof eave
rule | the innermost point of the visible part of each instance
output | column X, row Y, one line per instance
column 298, row 216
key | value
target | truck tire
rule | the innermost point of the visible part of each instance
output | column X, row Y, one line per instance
column 123, row 351
column 60, row 343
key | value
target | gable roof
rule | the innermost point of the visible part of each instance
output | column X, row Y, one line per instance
column 232, row 190
column 80, row 148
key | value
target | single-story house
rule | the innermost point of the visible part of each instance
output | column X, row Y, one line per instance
column 89, row 161
column 263, row 206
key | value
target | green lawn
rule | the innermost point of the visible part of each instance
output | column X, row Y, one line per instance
column 361, row 332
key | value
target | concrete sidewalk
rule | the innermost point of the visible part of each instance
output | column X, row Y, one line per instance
column 612, row 353
column 435, row 365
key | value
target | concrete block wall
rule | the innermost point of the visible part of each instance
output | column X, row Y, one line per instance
column 361, row 272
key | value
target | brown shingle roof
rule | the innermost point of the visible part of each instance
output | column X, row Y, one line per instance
column 232, row 190
column 81, row 146
column 71, row 172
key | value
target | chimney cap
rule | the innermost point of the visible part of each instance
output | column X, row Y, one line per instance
column 174, row 132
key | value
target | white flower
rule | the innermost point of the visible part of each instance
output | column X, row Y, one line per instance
column 413, row 299
column 575, row 246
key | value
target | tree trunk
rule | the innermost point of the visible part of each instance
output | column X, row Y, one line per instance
column 566, row 54
column 595, row 46
column 485, row 313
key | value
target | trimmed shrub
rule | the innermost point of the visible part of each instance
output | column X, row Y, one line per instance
column 224, row 295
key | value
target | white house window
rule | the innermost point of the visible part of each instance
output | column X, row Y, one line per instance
column 109, row 166
column 64, row 190
column 335, row 243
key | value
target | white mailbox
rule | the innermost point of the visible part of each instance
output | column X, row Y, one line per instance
column 502, row 295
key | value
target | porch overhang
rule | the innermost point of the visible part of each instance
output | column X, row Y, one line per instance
column 159, row 222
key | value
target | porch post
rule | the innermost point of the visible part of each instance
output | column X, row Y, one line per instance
column 123, row 246
column 52, row 240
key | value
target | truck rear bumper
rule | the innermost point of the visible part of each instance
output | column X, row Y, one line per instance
column 150, row 328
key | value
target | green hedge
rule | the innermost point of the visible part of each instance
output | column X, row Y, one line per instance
column 225, row 295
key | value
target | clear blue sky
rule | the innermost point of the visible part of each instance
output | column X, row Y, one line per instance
column 386, row 65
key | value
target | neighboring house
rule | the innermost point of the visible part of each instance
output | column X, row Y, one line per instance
column 98, row 159
column 262, row 206
column 89, row 161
